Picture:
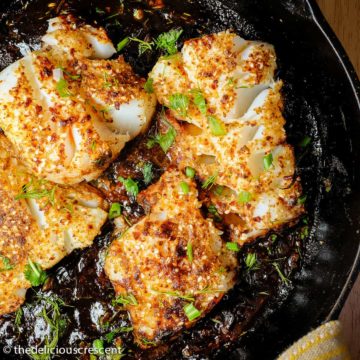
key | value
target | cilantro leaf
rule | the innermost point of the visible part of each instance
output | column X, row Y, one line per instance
column 34, row 274
column 131, row 186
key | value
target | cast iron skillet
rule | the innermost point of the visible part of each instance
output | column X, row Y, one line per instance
column 322, row 100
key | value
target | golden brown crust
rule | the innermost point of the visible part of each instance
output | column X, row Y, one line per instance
column 41, row 229
column 150, row 259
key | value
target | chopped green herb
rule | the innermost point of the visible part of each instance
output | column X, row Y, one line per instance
column 99, row 11
column 219, row 189
column 7, row 265
column 98, row 347
column 144, row 46
column 273, row 237
column 207, row 290
column 18, row 316
column 213, row 211
column 164, row 140
column 148, row 342
column 122, row 44
column 148, row 174
column 190, row 251
column 232, row 246
column 199, row 100
column 282, row 276
column 251, row 262
column 34, row 274
column 305, row 141
column 217, row 127
column 184, row 188
column 175, row 294
column 191, row 312
column 190, row 172
column 109, row 337
column 69, row 74
column 301, row 200
column 128, row 299
column 179, row 103
column 51, row 314
column 268, row 160
column 35, row 189
column 131, row 186
column 231, row 82
column 244, row 197
column 304, row 232
column 149, row 86
column 209, row 182
column 216, row 321
column 62, row 88
column 167, row 41
column 115, row 211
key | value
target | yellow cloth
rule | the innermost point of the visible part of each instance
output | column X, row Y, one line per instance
column 324, row 343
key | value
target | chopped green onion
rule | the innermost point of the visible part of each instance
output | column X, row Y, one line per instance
column 199, row 100
column 268, row 160
column 98, row 346
column 190, row 172
column 184, row 188
column 232, row 246
column 191, row 312
column 213, row 210
column 130, row 185
column 302, row 199
column 189, row 251
column 217, row 127
column 251, row 261
column 149, row 86
column 122, row 44
column 305, row 141
column 62, row 88
column 115, row 211
column 179, row 103
column 244, row 197
column 273, row 237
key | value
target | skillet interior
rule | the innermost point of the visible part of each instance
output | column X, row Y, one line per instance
column 320, row 102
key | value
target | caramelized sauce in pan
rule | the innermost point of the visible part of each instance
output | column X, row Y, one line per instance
column 79, row 280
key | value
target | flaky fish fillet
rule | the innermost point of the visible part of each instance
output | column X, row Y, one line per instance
column 40, row 221
column 227, row 110
column 68, row 111
column 171, row 258
column 229, row 72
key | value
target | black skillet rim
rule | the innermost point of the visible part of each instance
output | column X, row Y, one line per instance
column 353, row 79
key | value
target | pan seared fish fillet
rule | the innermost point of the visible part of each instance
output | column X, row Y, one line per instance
column 40, row 221
column 231, row 130
column 150, row 261
column 66, row 109
column 228, row 71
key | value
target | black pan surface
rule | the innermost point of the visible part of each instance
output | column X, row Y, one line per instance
column 321, row 101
